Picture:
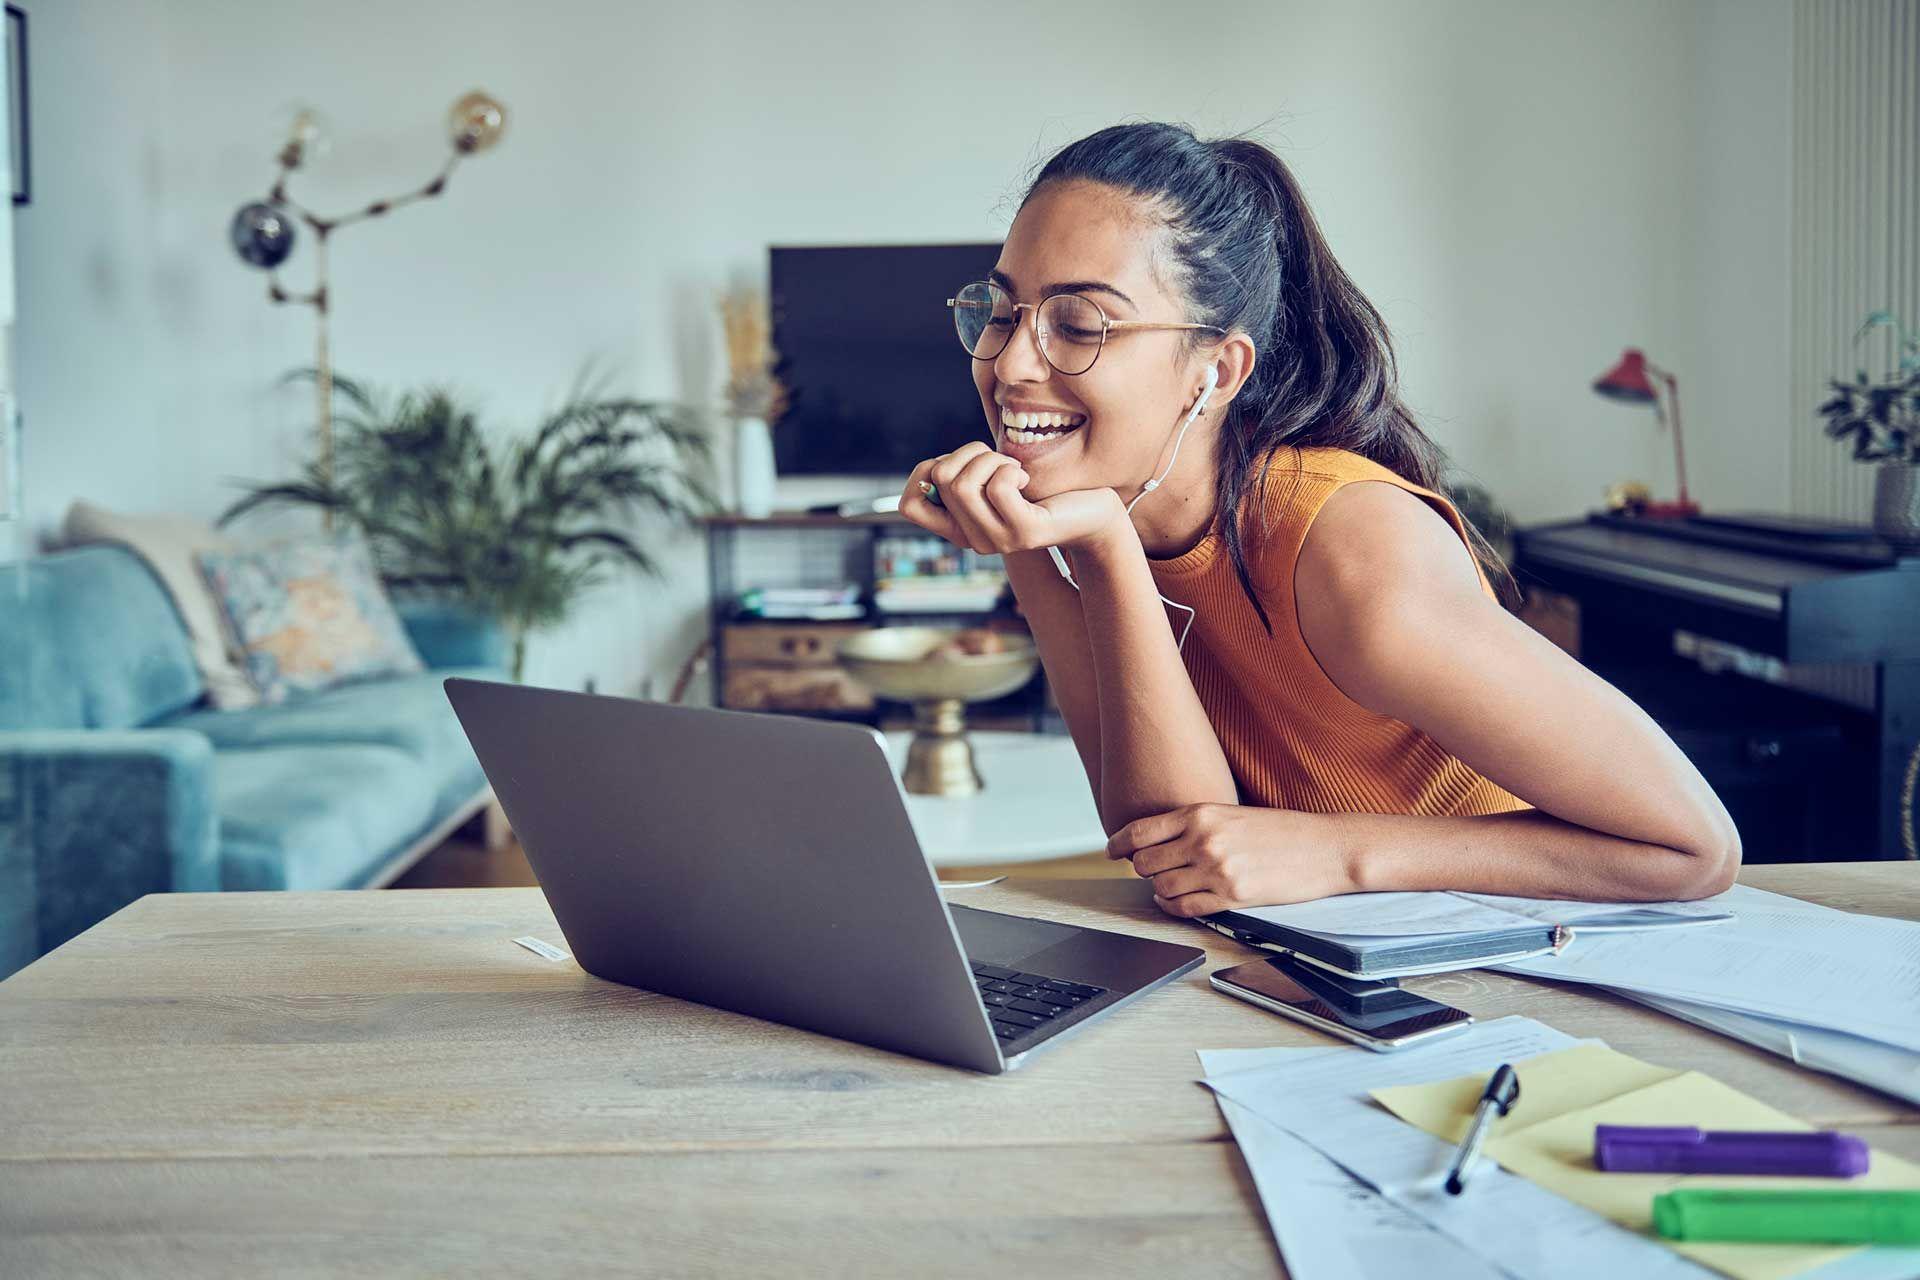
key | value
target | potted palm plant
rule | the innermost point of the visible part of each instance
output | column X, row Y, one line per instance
column 1882, row 420
column 520, row 536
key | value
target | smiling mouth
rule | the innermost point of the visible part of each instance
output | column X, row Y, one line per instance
column 1032, row 428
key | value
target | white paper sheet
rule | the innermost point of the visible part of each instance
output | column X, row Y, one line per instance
column 1559, row 911
column 1281, row 1092
column 1328, row 1224
column 1885, row 1067
column 1525, row 1230
column 1778, row 958
column 1393, row 915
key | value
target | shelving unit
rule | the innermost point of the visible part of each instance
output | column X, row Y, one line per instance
column 766, row 647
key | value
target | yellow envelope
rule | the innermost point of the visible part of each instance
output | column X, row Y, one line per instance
column 1548, row 1138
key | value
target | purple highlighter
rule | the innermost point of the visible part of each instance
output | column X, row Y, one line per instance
column 1621, row 1148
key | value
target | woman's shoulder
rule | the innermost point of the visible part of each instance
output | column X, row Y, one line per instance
column 1288, row 493
column 1341, row 466
column 1299, row 483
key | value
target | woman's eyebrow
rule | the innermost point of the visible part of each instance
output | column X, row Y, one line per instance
column 1004, row 280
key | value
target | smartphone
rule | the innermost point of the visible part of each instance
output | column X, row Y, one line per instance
column 1349, row 994
column 1280, row 984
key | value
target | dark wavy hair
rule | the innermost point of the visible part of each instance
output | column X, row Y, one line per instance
column 1243, row 246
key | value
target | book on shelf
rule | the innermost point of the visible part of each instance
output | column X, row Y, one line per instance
column 905, row 555
column 979, row 591
column 818, row 604
column 923, row 573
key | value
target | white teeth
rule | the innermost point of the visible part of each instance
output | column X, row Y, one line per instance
column 1039, row 421
column 1017, row 436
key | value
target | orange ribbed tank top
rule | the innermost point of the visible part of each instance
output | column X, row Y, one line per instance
column 1292, row 738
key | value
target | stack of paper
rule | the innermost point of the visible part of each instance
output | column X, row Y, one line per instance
column 975, row 592
column 1354, row 1193
column 1397, row 934
column 817, row 603
column 1440, row 913
column 1832, row 990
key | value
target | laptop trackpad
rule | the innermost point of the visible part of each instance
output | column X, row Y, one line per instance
column 1005, row 940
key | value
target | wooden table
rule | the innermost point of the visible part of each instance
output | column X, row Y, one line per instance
column 327, row 1083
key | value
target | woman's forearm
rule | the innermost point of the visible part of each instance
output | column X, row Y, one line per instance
column 1052, row 609
column 1158, row 750
column 1528, row 854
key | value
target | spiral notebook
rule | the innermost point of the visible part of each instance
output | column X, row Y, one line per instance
column 1392, row 935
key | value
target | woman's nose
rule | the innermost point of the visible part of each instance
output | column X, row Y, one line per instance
column 1021, row 360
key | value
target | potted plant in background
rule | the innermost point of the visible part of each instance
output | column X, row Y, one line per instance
column 1882, row 419
column 754, row 398
column 521, row 537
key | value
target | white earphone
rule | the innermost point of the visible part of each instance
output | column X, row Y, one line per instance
column 1206, row 393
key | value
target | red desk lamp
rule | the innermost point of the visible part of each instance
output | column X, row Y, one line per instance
column 1629, row 381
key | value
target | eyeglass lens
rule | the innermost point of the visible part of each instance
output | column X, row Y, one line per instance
column 1071, row 328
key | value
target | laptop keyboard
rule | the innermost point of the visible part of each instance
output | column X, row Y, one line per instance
column 1020, row 1003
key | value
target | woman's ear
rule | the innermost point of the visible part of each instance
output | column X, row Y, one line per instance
column 1233, row 362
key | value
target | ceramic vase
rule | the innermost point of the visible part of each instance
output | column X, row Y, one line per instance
column 753, row 472
column 1896, row 504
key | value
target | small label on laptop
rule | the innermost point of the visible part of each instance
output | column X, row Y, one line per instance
column 540, row 948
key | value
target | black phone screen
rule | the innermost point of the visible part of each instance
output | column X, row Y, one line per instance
column 1409, row 1015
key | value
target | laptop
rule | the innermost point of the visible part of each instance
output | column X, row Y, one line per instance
column 765, row 864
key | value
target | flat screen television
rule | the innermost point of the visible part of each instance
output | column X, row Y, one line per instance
column 876, row 379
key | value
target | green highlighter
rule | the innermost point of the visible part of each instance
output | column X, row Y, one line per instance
column 1790, row 1217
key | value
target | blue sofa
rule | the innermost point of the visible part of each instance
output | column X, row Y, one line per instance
column 117, row 781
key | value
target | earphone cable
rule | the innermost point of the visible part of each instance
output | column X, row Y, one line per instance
column 1060, row 561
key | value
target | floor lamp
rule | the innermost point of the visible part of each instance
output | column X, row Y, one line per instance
column 263, row 232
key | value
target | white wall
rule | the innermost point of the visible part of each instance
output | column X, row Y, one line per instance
column 1522, row 188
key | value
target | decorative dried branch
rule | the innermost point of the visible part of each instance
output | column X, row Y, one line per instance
column 752, row 389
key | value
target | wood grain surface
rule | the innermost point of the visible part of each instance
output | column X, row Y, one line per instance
column 375, row 1082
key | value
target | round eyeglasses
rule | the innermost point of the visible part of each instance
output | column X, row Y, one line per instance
column 1072, row 328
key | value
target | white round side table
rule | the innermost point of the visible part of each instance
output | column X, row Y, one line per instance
column 1036, row 803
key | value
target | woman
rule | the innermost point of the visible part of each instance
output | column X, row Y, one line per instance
column 1347, row 707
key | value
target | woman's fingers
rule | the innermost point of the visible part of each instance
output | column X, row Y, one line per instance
column 941, row 472
column 1004, row 497
column 1179, row 880
column 978, row 488
column 969, row 498
column 1203, row 902
column 915, row 507
column 1141, row 833
column 944, row 472
column 960, row 493
column 1162, row 857
column 945, row 468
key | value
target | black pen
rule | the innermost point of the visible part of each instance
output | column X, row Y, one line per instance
column 1501, row 1093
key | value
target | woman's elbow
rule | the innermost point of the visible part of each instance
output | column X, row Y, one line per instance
column 1711, row 865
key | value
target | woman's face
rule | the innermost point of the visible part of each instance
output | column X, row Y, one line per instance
column 1121, row 413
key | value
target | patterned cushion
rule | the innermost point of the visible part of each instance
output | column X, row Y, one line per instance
column 307, row 615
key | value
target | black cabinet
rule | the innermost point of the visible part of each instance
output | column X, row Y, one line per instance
column 1808, row 774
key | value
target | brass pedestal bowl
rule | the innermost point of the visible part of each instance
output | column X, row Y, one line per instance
column 938, row 670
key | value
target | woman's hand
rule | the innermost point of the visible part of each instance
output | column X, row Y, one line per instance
column 1204, row 858
column 982, row 507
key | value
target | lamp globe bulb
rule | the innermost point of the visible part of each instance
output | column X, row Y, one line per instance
column 262, row 234
column 476, row 122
